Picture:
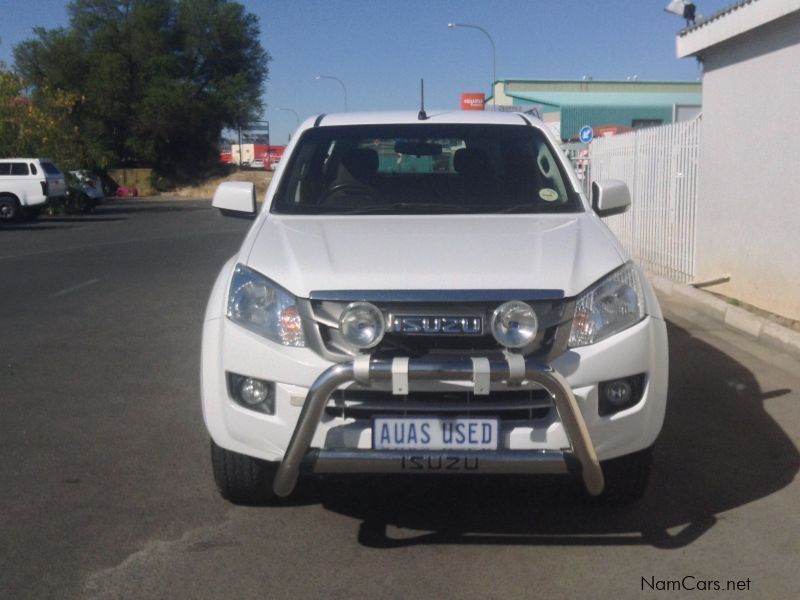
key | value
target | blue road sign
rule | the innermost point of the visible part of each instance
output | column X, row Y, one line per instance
column 586, row 134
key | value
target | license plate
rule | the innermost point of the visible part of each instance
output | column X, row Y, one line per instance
column 423, row 433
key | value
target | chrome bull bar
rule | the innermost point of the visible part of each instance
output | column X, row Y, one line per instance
column 513, row 369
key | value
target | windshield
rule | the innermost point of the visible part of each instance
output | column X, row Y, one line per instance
column 424, row 169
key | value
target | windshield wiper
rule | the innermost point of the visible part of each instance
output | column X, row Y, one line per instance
column 408, row 208
column 519, row 208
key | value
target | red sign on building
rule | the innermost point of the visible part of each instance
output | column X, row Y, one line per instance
column 472, row 101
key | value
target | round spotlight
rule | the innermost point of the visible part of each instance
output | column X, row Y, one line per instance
column 514, row 324
column 362, row 324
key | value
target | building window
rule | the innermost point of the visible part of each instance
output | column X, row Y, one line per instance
column 643, row 123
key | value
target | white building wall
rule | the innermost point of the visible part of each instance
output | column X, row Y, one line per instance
column 749, row 189
column 248, row 153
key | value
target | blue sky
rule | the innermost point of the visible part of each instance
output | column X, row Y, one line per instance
column 381, row 48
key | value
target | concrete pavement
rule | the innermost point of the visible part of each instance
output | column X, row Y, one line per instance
column 766, row 331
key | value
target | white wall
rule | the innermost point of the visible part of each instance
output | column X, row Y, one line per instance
column 749, row 190
column 248, row 153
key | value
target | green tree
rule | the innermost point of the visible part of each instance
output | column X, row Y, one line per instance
column 42, row 128
column 10, row 111
column 155, row 81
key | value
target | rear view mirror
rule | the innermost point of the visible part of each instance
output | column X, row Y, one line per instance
column 417, row 148
column 236, row 199
column 610, row 197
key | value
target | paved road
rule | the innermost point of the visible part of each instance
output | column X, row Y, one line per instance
column 106, row 490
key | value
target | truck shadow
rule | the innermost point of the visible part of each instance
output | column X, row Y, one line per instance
column 719, row 450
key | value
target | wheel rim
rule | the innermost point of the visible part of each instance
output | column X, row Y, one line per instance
column 6, row 210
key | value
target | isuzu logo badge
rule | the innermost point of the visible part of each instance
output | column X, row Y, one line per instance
column 430, row 325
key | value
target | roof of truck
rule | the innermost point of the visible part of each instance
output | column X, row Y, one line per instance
column 487, row 117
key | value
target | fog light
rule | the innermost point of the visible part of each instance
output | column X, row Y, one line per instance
column 514, row 324
column 252, row 393
column 619, row 394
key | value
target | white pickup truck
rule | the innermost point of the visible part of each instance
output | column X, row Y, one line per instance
column 26, row 184
column 430, row 295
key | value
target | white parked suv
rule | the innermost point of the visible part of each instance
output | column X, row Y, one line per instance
column 26, row 184
column 430, row 294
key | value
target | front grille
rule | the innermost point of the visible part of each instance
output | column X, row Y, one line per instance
column 516, row 405
column 394, row 344
column 321, row 320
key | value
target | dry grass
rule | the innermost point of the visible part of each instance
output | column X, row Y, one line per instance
column 205, row 191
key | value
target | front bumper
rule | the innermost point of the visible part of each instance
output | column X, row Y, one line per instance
column 345, row 446
column 514, row 371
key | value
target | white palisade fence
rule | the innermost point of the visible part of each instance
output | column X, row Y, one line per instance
column 660, row 167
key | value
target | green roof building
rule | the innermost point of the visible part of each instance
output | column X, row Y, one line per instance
column 568, row 105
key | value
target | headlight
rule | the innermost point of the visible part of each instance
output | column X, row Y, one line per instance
column 609, row 306
column 258, row 304
column 514, row 324
column 362, row 324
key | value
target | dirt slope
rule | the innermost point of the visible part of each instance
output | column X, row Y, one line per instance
column 206, row 190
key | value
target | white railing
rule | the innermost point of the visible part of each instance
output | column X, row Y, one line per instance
column 660, row 167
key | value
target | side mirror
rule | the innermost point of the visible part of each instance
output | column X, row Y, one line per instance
column 610, row 197
column 236, row 199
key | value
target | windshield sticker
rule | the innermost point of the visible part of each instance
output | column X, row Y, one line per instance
column 548, row 195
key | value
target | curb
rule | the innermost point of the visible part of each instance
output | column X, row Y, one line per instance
column 736, row 318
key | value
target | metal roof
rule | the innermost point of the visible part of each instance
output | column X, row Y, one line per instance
column 572, row 118
column 605, row 108
column 592, row 81
column 617, row 99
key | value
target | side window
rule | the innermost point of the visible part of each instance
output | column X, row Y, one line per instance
column 19, row 169
column 33, row 169
column 643, row 123
column 5, row 168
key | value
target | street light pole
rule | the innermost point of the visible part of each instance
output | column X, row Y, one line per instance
column 341, row 83
column 494, row 53
column 294, row 112
column 296, row 116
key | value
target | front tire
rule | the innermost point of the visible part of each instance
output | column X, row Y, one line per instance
column 242, row 479
column 626, row 478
